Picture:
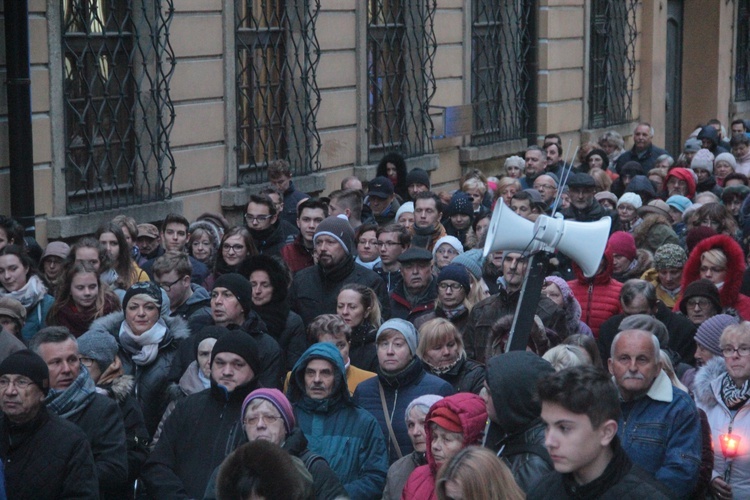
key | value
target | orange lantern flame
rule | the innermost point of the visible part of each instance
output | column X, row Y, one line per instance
column 729, row 445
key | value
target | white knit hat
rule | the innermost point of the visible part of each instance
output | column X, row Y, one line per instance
column 630, row 199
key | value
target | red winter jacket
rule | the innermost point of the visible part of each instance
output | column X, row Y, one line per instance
column 472, row 413
column 599, row 296
column 730, row 292
column 296, row 256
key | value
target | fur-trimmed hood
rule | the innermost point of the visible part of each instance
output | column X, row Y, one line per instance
column 702, row 390
column 121, row 387
column 735, row 266
column 644, row 260
column 177, row 328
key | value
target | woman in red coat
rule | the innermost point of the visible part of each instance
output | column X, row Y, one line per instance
column 599, row 296
column 452, row 424
column 720, row 260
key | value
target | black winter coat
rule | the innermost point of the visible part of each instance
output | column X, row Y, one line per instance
column 47, row 458
column 465, row 376
column 315, row 290
column 201, row 431
column 151, row 381
column 101, row 420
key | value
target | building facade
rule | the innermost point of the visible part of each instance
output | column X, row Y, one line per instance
column 147, row 107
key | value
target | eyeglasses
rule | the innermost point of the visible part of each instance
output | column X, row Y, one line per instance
column 389, row 244
column 20, row 383
column 728, row 351
column 269, row 419
column 168, row 286
column 87, row 362
column 257, row 218
column 372, row 243
column 453, row 287
column 546, row 187
column 698, row 302
column 232, row 248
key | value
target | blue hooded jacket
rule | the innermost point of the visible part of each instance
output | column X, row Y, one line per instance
column 347, row 436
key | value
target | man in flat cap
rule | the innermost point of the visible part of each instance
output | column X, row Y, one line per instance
column 415, row 295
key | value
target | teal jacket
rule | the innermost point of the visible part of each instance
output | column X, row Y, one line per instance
column 347, row 436
column 36, row 317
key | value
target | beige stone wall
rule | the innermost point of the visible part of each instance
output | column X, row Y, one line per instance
column 204, row 134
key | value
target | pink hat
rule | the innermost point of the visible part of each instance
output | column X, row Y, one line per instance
column 622, row 243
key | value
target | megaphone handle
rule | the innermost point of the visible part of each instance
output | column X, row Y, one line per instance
column 531, row 293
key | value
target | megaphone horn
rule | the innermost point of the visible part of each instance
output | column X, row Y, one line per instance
column 509, row 231
column 584, row 242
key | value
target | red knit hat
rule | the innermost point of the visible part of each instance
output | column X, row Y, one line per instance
column 622, row 243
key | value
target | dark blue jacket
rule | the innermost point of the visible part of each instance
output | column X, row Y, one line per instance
column 400, row 390
column 337, row 429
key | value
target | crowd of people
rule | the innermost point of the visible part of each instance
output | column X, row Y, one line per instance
column 354, row 345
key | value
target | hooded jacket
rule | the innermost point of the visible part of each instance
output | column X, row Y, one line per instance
column 710, row 133
column 201, row 431
column 399, row 390
column 730, row 292
column 599, row 296
column 347, row 436
column 472, row 413
column 151, row 380
column 642, row 262
column 516, row 432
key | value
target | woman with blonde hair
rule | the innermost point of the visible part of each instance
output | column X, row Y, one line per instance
column 441, row 350
column 359, row 307
column 506, row 188
column 478, row 474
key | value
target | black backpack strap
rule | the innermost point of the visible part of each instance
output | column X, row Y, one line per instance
column 309, row 458
column 519, row 448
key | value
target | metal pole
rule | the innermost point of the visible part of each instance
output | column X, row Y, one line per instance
column 532, row 69
column 20, row 138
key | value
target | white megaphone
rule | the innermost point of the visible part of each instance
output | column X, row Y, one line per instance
column 584, row 242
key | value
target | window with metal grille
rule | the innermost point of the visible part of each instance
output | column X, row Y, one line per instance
column 611, row 62
column 742, row 70
column 500, row 44
column 277, row 95
column 400, row 53
column 117, row 64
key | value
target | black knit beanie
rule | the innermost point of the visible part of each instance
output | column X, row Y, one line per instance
column 28, row 364
column 239, row 286
column 241, row 344
column 142, row 287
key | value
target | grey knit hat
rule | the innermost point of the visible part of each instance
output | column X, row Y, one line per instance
column 710, row 331
column 99, row 346
column 703, row 159
column 669, row 255
column 425, row 401
column 404, row 327
column 472, row 261
column 337, row 227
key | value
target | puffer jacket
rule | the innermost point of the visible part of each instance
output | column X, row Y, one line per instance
column 199, row 434
column 472, row 413
column 730, row 292
column 400, row 390
column 517, row 434
column 599, row 296
column 347, row 436
column 707, row 391
column 151, row 381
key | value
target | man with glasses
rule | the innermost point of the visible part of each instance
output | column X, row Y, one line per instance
column 547, row 186
column 659, row 427
column 204, row 427
column 45, row 456
column 700, row 301
column 299, row 253
column 415, row 295
column 583, row 206
column 174, row 236
column 172, row 273
column 262, row 220
column 73, row 397
column 393, row 240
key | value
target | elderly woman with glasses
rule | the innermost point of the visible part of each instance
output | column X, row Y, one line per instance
column 722, row 390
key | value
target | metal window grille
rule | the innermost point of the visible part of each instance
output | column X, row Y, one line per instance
column 401, row 48
column 612, row 62
column 277, row 95
column 500, row 48
column 742, row 70
column 117, row 65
